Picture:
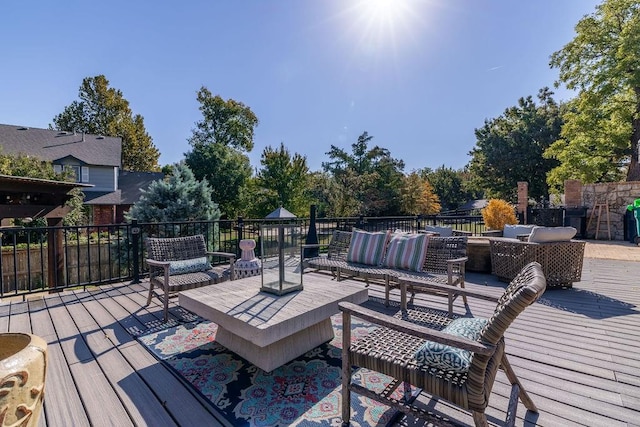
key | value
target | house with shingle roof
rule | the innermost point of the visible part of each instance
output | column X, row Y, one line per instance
column 94, row 159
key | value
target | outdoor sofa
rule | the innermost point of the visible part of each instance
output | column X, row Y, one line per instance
column 385, row 257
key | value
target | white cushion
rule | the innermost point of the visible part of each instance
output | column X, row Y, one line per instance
column 552, row 234
column 513, row 231
column 443, row 231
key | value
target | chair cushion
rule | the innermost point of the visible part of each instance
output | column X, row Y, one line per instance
column 406, row 251
column 367, row 247
column 189, row 265
column 552, row 234
column 443, row 231
column 450, row 358
column 512, row 231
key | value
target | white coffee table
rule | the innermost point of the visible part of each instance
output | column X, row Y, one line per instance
column 270, row 330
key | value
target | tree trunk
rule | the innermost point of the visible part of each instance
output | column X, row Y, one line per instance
column 633, row 174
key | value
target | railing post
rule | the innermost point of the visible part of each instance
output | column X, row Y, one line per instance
column 135, row 245
column 239, row 228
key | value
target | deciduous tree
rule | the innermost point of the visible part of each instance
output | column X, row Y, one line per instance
column 602, row 128
column 448, row 186
column 510, row 148
column 369, row 180
column 102, row 110
column 283, row 181
column 418, row 197
column 219, row 144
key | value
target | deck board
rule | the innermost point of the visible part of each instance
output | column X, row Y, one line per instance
column 577, row 352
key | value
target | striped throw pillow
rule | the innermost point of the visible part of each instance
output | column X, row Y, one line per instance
column 366, row 247
column 406, row 251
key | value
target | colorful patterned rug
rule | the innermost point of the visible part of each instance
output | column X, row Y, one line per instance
column 304, row 392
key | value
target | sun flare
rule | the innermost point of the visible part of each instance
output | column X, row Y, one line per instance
column 384, row 22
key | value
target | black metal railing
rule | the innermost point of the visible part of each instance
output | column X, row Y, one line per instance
column 40, row 259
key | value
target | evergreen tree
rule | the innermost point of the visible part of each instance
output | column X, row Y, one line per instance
column 179, row 198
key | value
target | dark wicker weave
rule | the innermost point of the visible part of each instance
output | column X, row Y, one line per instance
column 561, row 261
column 390, row 350
column 444, row 263
column 161, row 251
column 336, row 253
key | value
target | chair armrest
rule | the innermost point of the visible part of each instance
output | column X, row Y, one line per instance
column 222, row 255
column 164, row 265
column 414, row 329
column 460, row 261
column 161, row 264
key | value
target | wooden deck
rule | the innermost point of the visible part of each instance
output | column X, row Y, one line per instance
column 577, row 352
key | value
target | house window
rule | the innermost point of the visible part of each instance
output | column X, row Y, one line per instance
column 81, row 173
column 57, row 168
column 76, row 172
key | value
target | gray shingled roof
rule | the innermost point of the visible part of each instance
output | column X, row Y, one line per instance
column 103, row 198
column 131, row 184
column 54, row 145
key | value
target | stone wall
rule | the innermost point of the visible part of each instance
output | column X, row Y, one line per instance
column 617, row 195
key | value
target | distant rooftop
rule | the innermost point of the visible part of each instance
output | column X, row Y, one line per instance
column 54, row 145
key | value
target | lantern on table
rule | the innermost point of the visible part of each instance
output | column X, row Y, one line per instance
column 280, row 253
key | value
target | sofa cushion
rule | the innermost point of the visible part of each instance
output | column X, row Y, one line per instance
column 450, row 358
column 189, row 265
column 442, row 231
column 512, row 231
column 406, row 251
column 367, row 247
column 552, row 234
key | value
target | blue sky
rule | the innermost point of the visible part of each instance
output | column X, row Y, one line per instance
column 417, row 75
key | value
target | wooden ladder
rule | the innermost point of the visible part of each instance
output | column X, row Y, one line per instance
column 599, row 207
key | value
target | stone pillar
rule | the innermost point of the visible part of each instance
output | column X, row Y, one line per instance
column 573, row 193
column 523, row 199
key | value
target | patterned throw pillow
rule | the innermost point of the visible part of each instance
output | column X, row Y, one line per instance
column 450, row 358
column 366, row 247
column 406, row 251
column 189, row 265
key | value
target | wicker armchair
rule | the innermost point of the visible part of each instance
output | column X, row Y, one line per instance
column 561, row 261
column 181, row 263
column 391, row 350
